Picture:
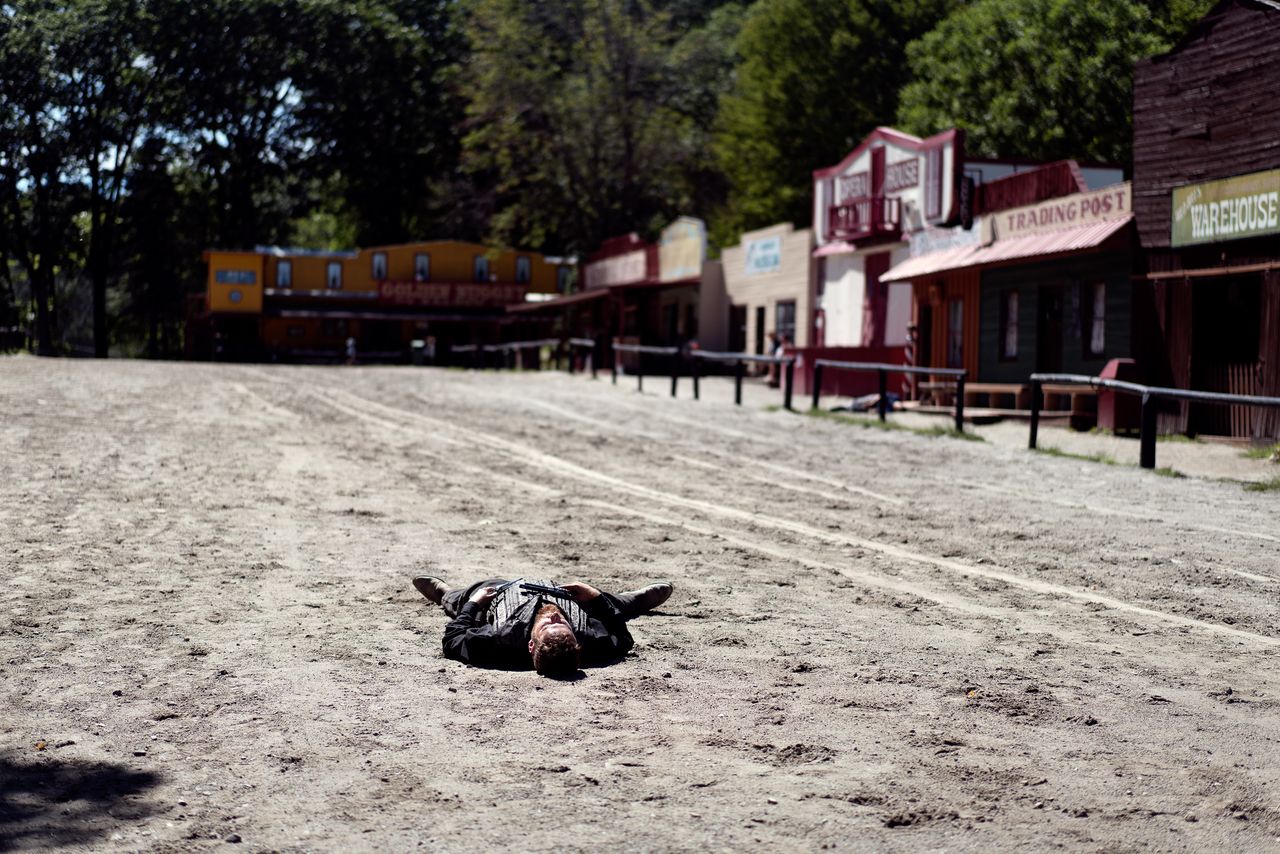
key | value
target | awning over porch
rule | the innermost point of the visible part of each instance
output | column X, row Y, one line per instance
column 1057, row 242
column 558, row 302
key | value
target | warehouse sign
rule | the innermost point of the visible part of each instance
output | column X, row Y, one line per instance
column 764, row 256
column 1244, row 206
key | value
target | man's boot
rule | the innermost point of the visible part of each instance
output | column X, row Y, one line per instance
column 642, row 601
column 431, row 587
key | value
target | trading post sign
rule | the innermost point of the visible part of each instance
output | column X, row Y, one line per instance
column 1229, row 209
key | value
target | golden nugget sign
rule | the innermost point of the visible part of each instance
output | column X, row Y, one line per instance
column 473, row 295
column 1077, row 209
column 1232, row 208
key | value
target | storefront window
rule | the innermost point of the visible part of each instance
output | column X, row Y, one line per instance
column 482, row 268
column 1093, row 317
column 1009, row 325
column 524, row 269
column 333, row 276
column 379, row 266
column 421, row 267
column 284, row 274
column 955, row 334
column 786, row 321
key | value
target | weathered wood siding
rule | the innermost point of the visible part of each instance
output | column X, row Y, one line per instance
column 1112, row 268
column 1205, row 110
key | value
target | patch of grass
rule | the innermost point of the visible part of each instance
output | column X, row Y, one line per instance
column 951, row 432
column 1051, row 451
column 1261, row 452
column 1180, row 437
column 773, row 407
column 1271, row 485
column 866, row 423
column 1167, row 471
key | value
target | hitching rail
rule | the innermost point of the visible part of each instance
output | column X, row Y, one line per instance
column 1149, row 394
column 672, row 352
column 586, row 343
column 739, row 360
column 883, row 370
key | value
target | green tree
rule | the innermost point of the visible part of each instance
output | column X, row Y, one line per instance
column 378, row 109
column 815, row 77
column 584, row 121
column 1042, row 79
column 38, row 201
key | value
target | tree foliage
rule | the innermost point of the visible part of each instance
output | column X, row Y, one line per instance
column 587, row 118
column 1039, row 79
column 815, row 77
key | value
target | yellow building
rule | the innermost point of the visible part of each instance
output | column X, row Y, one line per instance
column 305, row 305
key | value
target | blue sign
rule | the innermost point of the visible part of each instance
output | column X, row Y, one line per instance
column 236, row 277
column 764, row 256
column 235, row 297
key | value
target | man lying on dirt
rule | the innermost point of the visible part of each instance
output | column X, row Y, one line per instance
column 522, row 623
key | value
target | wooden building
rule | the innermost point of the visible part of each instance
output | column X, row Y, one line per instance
column 1040, row 282
column 302, row 305
column 664, row 293
column 865, row 207
column 1206, row 173
column 771, row 287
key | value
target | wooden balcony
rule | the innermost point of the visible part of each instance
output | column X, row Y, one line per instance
column 859, row 219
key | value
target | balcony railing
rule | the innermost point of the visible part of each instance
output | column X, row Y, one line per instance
column 873, row 216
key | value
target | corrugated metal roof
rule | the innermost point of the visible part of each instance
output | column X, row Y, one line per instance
column 838, row 247
column 1032, row 246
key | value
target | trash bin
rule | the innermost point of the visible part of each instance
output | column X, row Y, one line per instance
column 418, row 351
column 1118, row 411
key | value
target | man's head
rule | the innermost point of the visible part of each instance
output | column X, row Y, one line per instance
column 552, row 643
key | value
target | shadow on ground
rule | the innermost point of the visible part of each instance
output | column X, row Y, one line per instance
column 47, row 802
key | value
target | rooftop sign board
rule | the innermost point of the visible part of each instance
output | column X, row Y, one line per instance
column 1056, row 214
column 682, row 249
column 617, row 270
column 1229, row 209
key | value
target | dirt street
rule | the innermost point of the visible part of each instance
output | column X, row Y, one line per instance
column 879, row 641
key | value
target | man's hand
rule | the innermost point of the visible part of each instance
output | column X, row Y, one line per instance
column 580, row 592
column 483, row 596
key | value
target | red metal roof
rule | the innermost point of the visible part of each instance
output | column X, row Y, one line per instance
column 1056, row 242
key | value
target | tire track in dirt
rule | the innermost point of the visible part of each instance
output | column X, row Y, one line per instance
column 850, row 490
column 573, row 471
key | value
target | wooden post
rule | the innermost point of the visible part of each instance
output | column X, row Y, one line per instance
column 788, row 384
column 696, row 370
column 675, row 370
column 1035, row 413
column 1147, row 453
column 960, row 404
column 737, row 382
column 613, row 351
column 817, row 383
column 883, row 379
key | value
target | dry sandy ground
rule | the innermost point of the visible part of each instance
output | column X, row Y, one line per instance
column 879, row 640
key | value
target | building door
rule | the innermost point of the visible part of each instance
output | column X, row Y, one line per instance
column 1049, row 329
column 1224, row 350
column 760, row 315
column 737, row 328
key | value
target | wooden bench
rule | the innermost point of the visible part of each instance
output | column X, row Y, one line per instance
column 1014, row 396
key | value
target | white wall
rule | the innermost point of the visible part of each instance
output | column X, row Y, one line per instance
column 845, row 289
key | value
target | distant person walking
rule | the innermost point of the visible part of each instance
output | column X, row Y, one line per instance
column 351, row 350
